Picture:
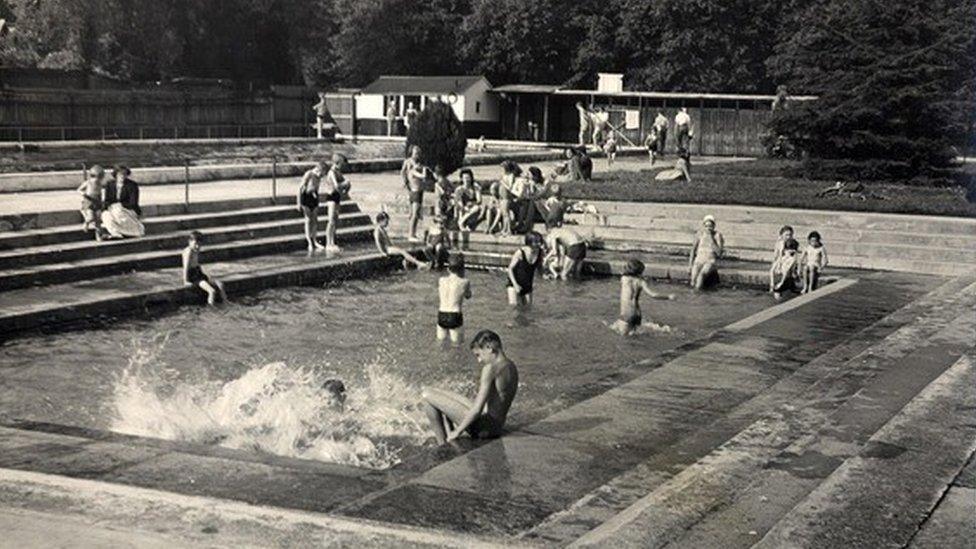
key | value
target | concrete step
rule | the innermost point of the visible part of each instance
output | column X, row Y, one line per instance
column 286, row 239
column 733, row 495
column 902, row 472
column 252, row 224
column 43, row 220
column 159, row 225
column 151, row 292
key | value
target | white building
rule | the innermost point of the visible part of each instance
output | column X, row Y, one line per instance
column 469, row 96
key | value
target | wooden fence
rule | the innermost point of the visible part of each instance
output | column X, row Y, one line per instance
column 28, row 115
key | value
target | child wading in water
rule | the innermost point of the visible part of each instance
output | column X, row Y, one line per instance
column 521, row 270
column 632, row 285
column 385, row 246
column 453, row 289
column 91, row 200
column 814, row 260
column 193, row 275
column 451, row 414
column 703, row 259
column 784, row 272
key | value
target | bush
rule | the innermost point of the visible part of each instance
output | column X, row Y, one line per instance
column 440, row 136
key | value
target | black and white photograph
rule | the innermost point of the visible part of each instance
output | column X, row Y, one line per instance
column 684, row 274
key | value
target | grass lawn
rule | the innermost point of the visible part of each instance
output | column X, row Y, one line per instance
column 758, row 183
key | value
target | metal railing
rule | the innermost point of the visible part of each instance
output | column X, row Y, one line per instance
column 114, row 133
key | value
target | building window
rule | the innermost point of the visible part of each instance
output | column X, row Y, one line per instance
column 477, row 106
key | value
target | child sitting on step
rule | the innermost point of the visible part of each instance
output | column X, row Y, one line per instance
column 193, row 275
column 784, row 273
column 385, row 246
column 813, row 261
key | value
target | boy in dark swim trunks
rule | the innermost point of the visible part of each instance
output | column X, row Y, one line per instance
column 193, row 275
column 570, row 250
column 453, row 289
column 451, row 414
column 521, row 270
column 632, row 285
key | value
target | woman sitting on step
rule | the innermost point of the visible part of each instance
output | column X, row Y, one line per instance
column 121, row 218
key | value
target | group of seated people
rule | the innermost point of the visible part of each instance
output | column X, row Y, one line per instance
column 110, row 206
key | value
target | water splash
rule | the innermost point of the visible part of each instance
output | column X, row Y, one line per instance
column 274, row 408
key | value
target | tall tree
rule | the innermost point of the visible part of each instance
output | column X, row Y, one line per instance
column 891, row 76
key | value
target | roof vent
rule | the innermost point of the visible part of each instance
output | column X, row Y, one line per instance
column 610, row 82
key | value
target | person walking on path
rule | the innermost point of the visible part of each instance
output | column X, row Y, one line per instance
column 321, row 114
column 682, row 124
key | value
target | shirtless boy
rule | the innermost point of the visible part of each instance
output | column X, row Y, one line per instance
column 453, row 289
column 385, row 246
column 193, row 275
column 570, row 250
column 708, row 248
column 91, row 200
column 451, row 414
column 632, row 286
column 414, row 175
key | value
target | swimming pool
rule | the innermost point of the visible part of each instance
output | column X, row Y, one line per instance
column 248, row 375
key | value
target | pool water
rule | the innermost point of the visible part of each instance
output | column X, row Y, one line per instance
column 248, row 375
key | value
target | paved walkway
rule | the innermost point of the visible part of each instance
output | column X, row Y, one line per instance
column 379, row 182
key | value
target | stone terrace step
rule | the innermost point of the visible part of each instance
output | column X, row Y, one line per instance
column 217, row 228
column 285, row 238
column 157, row 225
column 747, row 483
column 547, row 466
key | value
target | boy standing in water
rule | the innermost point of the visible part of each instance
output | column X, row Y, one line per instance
column 451, row 414
column 703, row 260
column 632, row 285
column 453, row 289
column 193, row 275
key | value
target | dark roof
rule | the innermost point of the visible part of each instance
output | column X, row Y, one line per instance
column 386, row 85
column 526, row 88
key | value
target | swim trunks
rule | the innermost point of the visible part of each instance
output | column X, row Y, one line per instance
column 450, row 320
column 633, row 321
column 309, row 200
column 417, row 197
column 577, row 252
column 484, row 427
column 334, row 196
column 195, row 275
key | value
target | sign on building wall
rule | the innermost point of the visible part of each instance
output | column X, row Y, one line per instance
column 632, row 119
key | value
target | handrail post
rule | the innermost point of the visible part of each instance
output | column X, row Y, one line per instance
column 274, row 178
column 186, row 182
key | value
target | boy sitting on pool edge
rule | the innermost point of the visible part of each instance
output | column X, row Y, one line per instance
column 451, row 414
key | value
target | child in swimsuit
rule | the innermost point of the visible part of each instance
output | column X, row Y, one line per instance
column 632, row 285
column 452, row 415
column 651, row 143
column 467, row 202
column 783, row 274
column 813, row 261
column 493, row 216
column 703, row 260
column 511, row 172
column 570, row 249
column 193, row 275
column 336, row 186
column 91, row 200
column 521, row 270
column 785, row 235
column 308, row 205
column 414, row 176
column 453, row 289
column 385, row 246
column 438, row 244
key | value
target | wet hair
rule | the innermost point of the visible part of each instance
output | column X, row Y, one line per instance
column 382, row 216
column 487, row 339
column 464, row 172
column 509, row 166
column 456, row 265
column 196, row 235
column 536, row 174
column 634, row 267
column 334, row 386
column 785, row 228
column 533, row 239
column 791, row 244
column 814, row 234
